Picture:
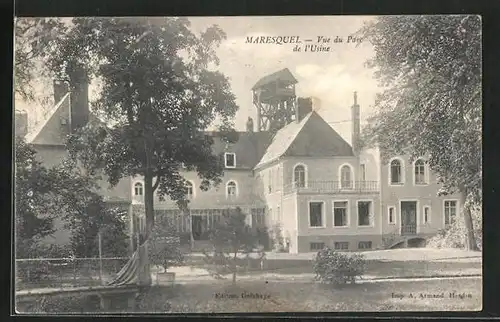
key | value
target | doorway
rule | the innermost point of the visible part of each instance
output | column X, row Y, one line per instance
column 408, row 217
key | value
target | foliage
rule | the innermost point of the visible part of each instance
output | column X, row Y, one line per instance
column 34, row 40
column 233, row 241
column 453, row 236
column 165, row 250
column 431, row 105
column 277, row 238
column 338, row 268
column 158, row 95
column 34, row 200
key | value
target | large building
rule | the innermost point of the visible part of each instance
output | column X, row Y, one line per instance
column 294, row 170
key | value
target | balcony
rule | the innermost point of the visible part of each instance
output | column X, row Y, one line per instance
column 333, row 187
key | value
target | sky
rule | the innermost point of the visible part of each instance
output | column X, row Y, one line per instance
column 331, row 76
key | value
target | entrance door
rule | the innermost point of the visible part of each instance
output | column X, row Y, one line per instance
column 408, row 217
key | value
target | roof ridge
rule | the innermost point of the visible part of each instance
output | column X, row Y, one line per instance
column 39, row 127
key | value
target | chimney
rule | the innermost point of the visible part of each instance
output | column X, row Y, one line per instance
column 61, row 88
column 250, row 124
column 21, row 124
column 302, row 108
column 79, row 84
column 355, row 125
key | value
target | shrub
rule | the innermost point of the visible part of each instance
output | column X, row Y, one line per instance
column 338, row 268
column 454, row 235
column 166, row 247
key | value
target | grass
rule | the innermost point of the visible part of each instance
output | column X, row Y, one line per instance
column 304, row 297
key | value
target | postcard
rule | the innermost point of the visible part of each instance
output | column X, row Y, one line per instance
column 248, row 164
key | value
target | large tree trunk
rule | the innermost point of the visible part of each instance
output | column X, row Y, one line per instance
column 470, row 239
column 145, row 273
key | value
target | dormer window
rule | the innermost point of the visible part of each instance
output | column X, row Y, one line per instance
column 230, row 160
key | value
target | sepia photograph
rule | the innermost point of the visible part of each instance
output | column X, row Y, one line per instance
column 247, row 164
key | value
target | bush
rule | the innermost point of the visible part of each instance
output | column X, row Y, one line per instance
column 338, row 268
column 454, row 235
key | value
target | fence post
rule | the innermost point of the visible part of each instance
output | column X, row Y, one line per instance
column 100, row 257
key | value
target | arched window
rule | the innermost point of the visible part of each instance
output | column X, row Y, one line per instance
column 138, row 189
column 396, row 177
column 419, row 172
column 189, row 189
column 231, row 188
column 346, row 177
column 299, row 176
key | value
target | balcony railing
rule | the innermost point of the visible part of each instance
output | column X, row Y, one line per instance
column 333, row 186
column 408, row 229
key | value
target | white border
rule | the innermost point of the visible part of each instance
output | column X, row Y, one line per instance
column 305, row 174
column 348, row 214
column 323, row 214
column 403, row 173
column 372, row 220
column 225, row 160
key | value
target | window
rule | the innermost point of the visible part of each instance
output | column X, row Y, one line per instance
column 365, row 245
column 230, row 159
column 189, row 189
column 317, row 246
column 138, row 190
column 346, row 177
column 341, row 245
column 340, row 214
column 395, row 170
column 231, row 188
column 316, row 214
column 362, row 172
column 420, row 172
column 427, row 214
column 364, row 213
column 392, row 215
column 299, row 176
column 450, row 211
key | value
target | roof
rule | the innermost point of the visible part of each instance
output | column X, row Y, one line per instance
column 284, row 75
column 249, row 148
column 311, row 137
column 50, row 131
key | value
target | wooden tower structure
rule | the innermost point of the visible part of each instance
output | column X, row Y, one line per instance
column 274, row 98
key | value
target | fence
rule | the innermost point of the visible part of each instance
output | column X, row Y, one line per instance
column 66, row 272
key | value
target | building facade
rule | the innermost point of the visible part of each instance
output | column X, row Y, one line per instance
column 303, row 178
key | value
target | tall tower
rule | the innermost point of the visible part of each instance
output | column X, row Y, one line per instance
column 274, row 98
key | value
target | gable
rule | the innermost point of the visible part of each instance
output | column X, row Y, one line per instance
column 52, row 131
column 318, row 139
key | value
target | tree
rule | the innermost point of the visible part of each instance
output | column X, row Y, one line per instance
column 33, row 200
column 430, row 71
column 233, row 242
column 34, row 41
column 158, row 96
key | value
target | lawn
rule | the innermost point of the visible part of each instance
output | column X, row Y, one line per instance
column 275, row 296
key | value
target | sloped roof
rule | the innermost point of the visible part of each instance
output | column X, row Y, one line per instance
column 311, row 137
column 282, row 140
column 51, row 131
column 249, row 148
column 284, row 75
